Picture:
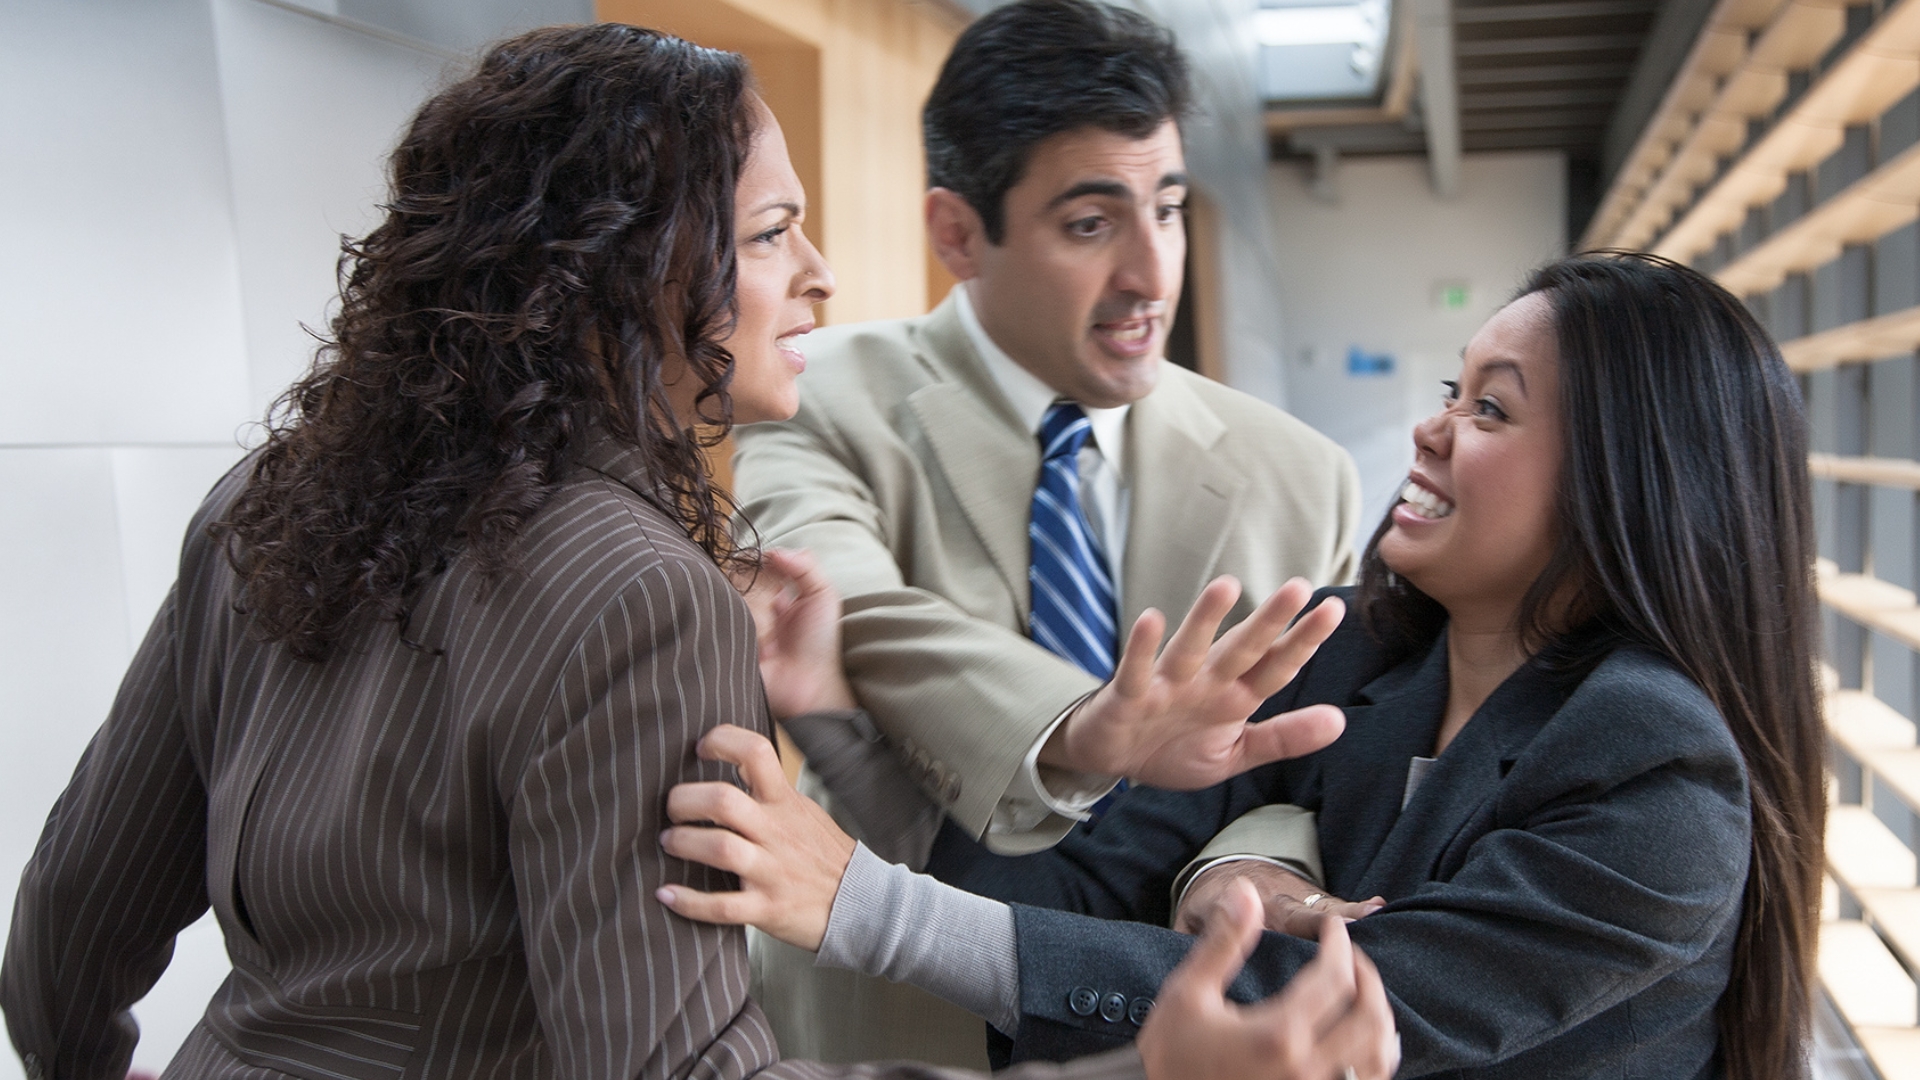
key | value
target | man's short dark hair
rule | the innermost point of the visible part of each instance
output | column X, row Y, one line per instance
column 1030, row 70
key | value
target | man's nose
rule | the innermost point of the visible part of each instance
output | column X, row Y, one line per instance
column 1151, row 265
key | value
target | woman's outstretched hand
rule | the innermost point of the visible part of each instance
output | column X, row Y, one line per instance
column 1331, row 1018
column 786, row 851
column 1180, row 720
column 796, row 613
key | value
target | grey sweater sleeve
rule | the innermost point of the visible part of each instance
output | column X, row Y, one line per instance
column 907, row 927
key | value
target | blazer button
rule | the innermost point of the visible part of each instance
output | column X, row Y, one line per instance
column 1083, row 1001
column 1113, row 1007
column 1137, row 1012
column 950, row 789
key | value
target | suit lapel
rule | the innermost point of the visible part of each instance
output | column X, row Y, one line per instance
column 1395, row 717
column 1463, row 781
column 1183, row 494
column 990, row 461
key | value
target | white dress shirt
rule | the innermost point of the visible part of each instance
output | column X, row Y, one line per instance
column 1038, row 790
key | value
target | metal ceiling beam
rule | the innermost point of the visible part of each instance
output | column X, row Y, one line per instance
column 1541, row 138
column 1548, row 73
column 1557, row 97
column 1357, row 139
column 1516, row 119
column 1574, row 43
column 1567, row 9
column 1439, row 91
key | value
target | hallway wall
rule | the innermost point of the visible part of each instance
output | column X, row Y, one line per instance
column 1363, row 273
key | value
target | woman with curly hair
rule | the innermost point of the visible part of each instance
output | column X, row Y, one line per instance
column 440, row 647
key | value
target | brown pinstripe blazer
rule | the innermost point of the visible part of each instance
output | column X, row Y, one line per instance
column 433, row 859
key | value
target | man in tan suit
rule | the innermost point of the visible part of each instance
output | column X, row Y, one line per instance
column 1057, row 180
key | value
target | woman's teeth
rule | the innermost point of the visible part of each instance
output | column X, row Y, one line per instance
column 1424, row 501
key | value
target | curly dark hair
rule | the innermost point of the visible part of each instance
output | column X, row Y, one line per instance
column 559, row 242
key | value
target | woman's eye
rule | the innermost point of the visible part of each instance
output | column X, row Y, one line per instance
column 1489, row 408
column 770, row 235
column 1453, row 390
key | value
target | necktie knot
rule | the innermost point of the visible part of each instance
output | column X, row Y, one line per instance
column 1063, row 431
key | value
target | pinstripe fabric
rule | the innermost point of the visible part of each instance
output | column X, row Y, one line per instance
column 429, row 860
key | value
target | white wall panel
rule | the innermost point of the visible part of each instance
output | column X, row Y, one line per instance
column 1361, row 272
column 312, row 109
column 466, row 25
column 122, row 313
column 156, row 490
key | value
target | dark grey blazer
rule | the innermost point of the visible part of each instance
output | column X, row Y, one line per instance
column 430, row 858
column 1563, row 889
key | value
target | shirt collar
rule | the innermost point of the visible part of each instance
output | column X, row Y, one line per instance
column 1030, row 397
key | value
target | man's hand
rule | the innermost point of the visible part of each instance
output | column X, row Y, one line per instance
column 1331, row 1021
column 797, row 616
column 786, row 851
column 1290, row 903
column 1180, row 721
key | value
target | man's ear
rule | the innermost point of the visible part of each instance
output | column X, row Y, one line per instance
column 955, row 231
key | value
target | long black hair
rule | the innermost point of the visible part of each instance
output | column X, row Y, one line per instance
column 560, row 238
column 1683, row 524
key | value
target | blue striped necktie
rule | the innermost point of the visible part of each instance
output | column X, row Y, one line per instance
column 1073, row 612
column 1072, row 588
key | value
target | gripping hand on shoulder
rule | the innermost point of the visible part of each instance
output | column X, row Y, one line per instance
column 1179, row 720
column 786, row 850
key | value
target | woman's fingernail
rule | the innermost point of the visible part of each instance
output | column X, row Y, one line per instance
column 665, row 895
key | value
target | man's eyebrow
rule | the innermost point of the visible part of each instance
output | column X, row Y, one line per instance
column 1112, row 189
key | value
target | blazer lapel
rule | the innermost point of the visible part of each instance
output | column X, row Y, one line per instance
column 1463, row 781
column 1183, row 493
column 990, row 461
column 1393, row 719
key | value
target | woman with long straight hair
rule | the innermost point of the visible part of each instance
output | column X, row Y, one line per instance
column 439, row 648
column 1581, row 779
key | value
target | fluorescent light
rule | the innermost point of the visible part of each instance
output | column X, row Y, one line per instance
column 1346, row 24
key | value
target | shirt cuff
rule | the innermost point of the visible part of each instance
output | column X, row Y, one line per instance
column 1193, row 871
column 1038, row 791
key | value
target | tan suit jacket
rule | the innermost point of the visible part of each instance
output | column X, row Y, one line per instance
column 431, row 856
column 909, row 475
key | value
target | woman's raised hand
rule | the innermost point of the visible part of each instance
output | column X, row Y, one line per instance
column 1331, row 1021
column 1179, row 720
column 796, row 613
column 786, row 851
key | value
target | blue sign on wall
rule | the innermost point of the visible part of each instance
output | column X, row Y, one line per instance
column 1363, row 364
